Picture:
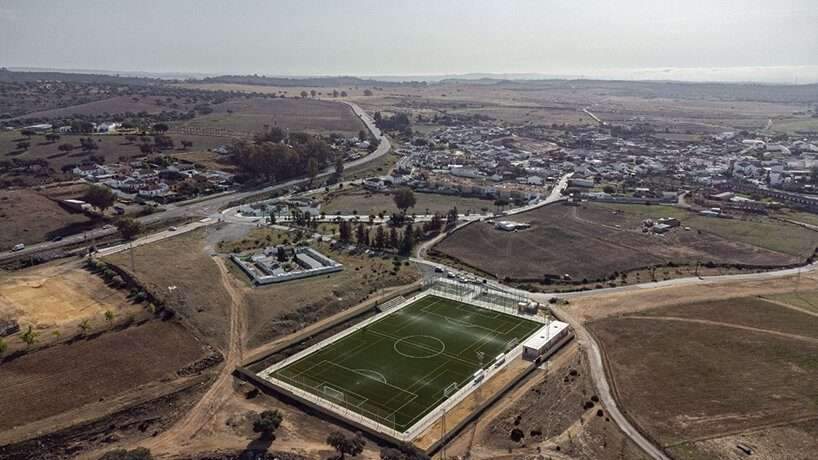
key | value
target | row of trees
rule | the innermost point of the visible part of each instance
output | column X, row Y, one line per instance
column 403, row 241
column 314, row 93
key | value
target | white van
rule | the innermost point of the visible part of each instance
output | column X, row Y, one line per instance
column 18, row 247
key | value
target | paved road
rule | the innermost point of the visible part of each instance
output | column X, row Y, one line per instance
column 203, row 207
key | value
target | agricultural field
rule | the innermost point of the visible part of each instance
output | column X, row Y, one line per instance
column 68, row 376
column 397, row 369
column 364, row 203
column 256, row 113
column 598, row 241
column 704, row 370
column 28, row 216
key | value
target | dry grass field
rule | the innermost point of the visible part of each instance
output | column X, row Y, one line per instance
column 112, row 148
column 366, row 203
column 68, row 376
column 253, row 114
column 688, row 372
column 27, row 217
column 112, row 105
column 597, row 241
column 179, row 271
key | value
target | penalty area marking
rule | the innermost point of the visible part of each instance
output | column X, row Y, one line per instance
column 430, row 352
column 374, row 375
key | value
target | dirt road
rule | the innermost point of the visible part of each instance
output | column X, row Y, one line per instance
column 184, row 432
column 587, row 342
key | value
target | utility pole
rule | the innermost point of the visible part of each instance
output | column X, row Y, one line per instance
column 130, row 251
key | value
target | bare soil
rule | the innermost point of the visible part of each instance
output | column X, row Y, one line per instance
column 555, row 411
column 29, row 217
column 587, row 244
column 68, row 376
column 54, row 299
column 680, row 380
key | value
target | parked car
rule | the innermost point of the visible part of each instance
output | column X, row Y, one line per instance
column 18, row 247
column 171, row 229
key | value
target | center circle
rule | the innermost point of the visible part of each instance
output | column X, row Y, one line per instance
column 419, row 346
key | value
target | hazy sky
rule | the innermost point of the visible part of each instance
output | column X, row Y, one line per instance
column 414, row 37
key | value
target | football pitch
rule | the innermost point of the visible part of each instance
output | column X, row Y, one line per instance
column 400, row 367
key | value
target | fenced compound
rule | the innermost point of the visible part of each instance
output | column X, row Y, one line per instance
column 394, row 373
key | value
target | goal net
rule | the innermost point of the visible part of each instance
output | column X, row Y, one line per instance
column 450, row 390
column 512, row 343
column 333, row 393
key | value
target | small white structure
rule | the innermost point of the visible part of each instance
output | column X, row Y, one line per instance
column 548, row 338
column 511, row 226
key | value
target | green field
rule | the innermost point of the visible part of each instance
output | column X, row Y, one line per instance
column 399, row 368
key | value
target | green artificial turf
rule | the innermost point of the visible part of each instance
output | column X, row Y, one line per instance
column 397, row 369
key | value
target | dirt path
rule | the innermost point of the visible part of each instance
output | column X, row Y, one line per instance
column 600, row 378
column 791, row 307
column 721, row 324
column 184, row 431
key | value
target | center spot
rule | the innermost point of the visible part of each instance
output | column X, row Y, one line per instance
column 419, row 346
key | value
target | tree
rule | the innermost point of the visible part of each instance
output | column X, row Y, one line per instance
column 267, row 423
column 404, row 199
column 67, row 148
column 129, row 228
column 23, row 145
column 303, row 94
column 161, row 128
column 361, row 235
column 312, row 93
column 84, row 326
column 362, row 135
column 28, row 133
column 100, row 197
column 380, row 238
column 346, row 445
column 344, row 232
column 393, row 238
column 140, row 453
column 343, row 94
column 29, row 337
column 408, row 241
column 3, row 347
column 146, row 149
column 339, row 166
column 187, row 144
column 367, row 92
column 312, row 169
column 52, row 137
column 109, row 316
column 281, row 254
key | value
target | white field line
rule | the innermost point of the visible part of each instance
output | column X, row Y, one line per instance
column 434, row 409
